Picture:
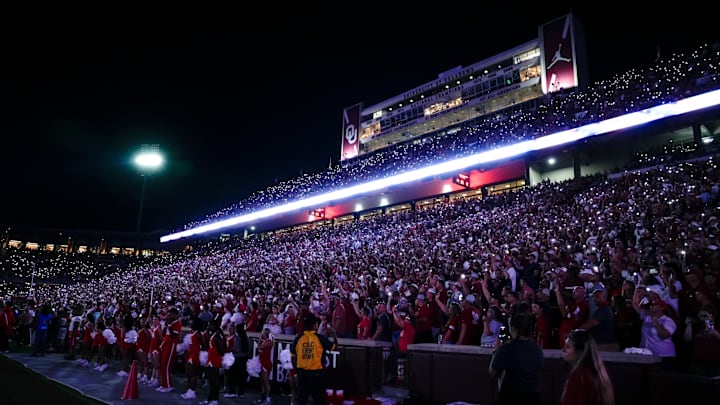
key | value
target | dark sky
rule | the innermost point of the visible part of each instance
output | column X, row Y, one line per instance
column 236, row 103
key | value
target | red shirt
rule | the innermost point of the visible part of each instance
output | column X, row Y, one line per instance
column 252, row 323
column 471, row 320
column 143, row 340
column 580, row 388
column 214, row 356
column 543, row 332
column 423, row 322
column 452, row 330
column 577, row 314
column 172, row 334
column 193, row 356
column 407, row 336
column 155, row 339
column 363, row 328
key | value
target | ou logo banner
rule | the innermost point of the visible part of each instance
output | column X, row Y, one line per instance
column 351, row 134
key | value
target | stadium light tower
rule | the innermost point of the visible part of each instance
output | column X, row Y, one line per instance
column 147, row 161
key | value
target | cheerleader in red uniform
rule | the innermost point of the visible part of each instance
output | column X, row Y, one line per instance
column 192, row 362
column 265, row 346
column 126, row 343
column 88, row 335
column 114, row 350
column 168, row 349
column 100, row 346
column 154, row 351
column 216, row 350
column 142, row 350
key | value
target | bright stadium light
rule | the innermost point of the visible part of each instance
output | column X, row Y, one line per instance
column 147, row 161
column 684, row 106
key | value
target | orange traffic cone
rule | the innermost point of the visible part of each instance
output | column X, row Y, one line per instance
column 131, row 388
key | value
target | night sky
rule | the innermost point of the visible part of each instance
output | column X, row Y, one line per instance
column 235, row 107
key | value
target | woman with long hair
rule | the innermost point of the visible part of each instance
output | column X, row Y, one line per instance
column 452, row 326
column 156, row 335
column 588, row 381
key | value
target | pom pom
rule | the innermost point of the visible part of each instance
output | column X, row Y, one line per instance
column 109, row 335
column 228, row 360
column 187, row 340
column 254, row 367
column 285, row 358
column 181, row 348
column 203, row 358
column 131, row 336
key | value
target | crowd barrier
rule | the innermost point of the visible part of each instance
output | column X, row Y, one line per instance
column 450, row 373
column 455, row 373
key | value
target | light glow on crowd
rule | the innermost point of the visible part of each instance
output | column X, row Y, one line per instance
column 680, row 107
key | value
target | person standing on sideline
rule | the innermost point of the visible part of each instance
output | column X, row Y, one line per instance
column 7, row 325
column 41, row 331
column 588, row 381
column 168, row 349
column 142, row 349
column 309, row 355
column 516, row 364
column 237, row 375
column 216, row 350
column 192, row 359
column 156, row 337
column 265, row 346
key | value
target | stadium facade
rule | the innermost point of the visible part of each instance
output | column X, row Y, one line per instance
column 554, row 61
column 502, row 88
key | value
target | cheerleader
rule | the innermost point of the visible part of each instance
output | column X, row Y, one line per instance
column 216, row 351
column 195, row 344
column 103, row 344
column 156, row 334
column 142, row 350
column 127, row 344
column 88, row 335
column 168, row 349
column 265, row 346
column 73, row 336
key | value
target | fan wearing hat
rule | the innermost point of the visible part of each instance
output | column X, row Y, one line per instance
column 407, row 329
column 657, row 327
column 470, row 325
column 436, row 314
column 601, row 325
column 574, row 309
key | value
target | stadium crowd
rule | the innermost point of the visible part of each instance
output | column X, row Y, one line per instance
column 642, row 246
column 631, row 257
